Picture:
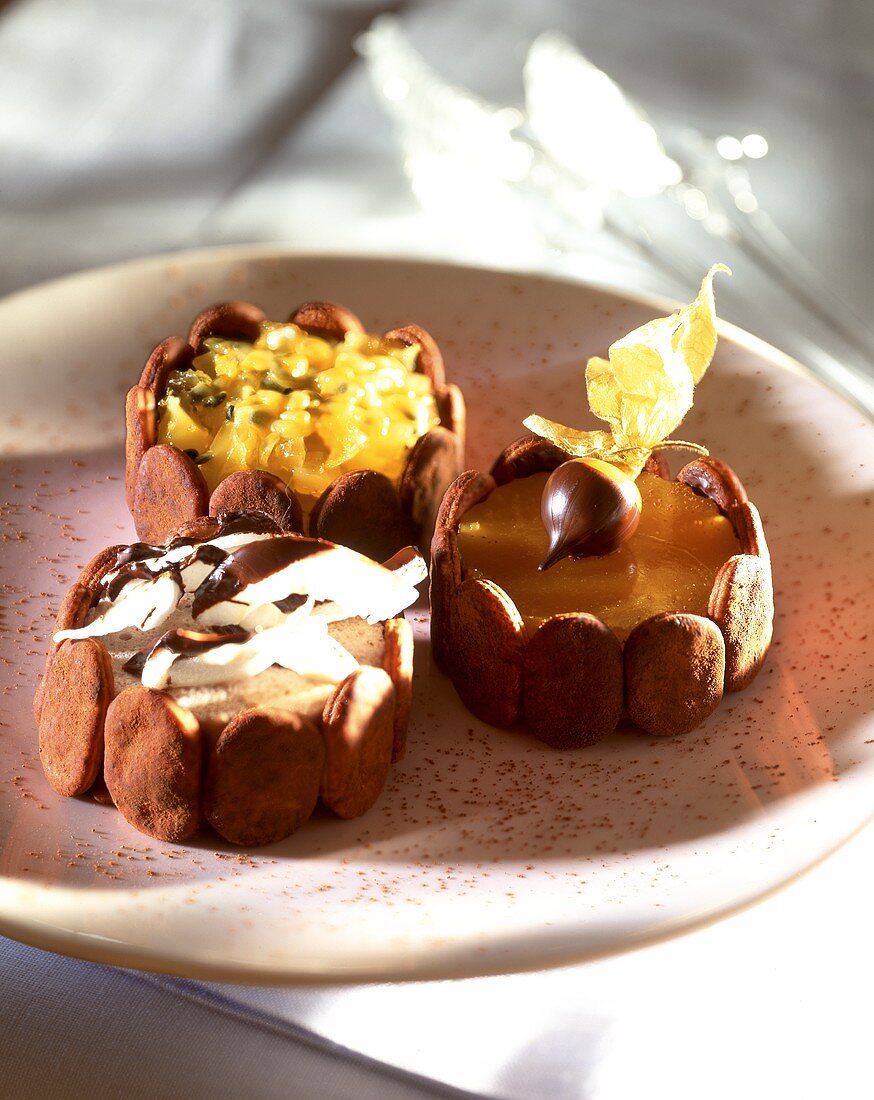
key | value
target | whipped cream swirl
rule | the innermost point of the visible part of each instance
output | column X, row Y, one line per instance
column 256, row 599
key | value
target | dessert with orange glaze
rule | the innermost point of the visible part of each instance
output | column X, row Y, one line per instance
column 578, row 582
column 668, row 564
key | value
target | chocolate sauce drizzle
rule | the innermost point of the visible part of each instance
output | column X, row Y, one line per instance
column 231, row 572
column 290, row 603
column 245, row 523
column 401, row 558
column 129, row 562
column 206, row 554
column 128, row 572
column 136, row 570
column 188, row 643
column 137, row 663
column 229, row 523
column 137, row 551
column 251, row 564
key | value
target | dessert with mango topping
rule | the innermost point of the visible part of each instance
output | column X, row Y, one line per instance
column 345, row 434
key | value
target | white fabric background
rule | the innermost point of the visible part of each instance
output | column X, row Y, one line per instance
column 129, row 128
column 770, row 1004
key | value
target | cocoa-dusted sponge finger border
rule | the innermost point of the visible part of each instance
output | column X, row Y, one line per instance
column 263, row 775
column 326, row 319
column 714, row 479
column 364, row 502
column 265, row 769
column 152, row 763
column 231, row 320
column 141, row 405
column 78, row 689
column 467, row 490
column 429, row 469
column 140, row 435
column 487, row 643
column 398, row 663
column 258, row 491
column 453, row 412
column 562, row 706
column 742, row 606
column 444, row 581
column 674, row 673
column 171, row 354
column 527, row 455
column 430, row 356
column 169, row 490
column 358, row 724
column 742, row 599
column 673, row 669
column 74, row 609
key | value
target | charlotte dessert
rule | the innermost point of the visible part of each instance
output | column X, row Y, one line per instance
column 233, row 676
column 578, row 582
column 331, row 430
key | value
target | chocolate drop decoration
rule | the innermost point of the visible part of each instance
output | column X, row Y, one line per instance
column 588, row 508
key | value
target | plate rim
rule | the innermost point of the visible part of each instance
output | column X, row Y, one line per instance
column 241, row 253
column 93, row 948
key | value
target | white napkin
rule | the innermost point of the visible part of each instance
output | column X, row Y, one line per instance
column 771, row 1003
column 126, row 127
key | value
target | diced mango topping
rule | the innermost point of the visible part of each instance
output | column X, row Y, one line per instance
column 299, row 407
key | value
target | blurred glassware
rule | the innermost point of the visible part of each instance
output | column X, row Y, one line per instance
column 583, row 159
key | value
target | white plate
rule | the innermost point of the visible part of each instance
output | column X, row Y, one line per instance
column 487, row 852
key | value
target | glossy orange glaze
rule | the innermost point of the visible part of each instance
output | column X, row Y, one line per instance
column 669, row 564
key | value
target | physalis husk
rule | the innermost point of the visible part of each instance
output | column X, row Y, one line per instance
column 645, row 387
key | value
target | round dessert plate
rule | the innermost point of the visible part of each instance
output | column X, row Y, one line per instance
column 487, row 852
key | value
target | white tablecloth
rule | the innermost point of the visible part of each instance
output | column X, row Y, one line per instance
column 772, row 1003
column 128, row 129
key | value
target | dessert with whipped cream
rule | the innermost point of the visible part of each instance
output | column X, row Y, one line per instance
column 242, row 621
